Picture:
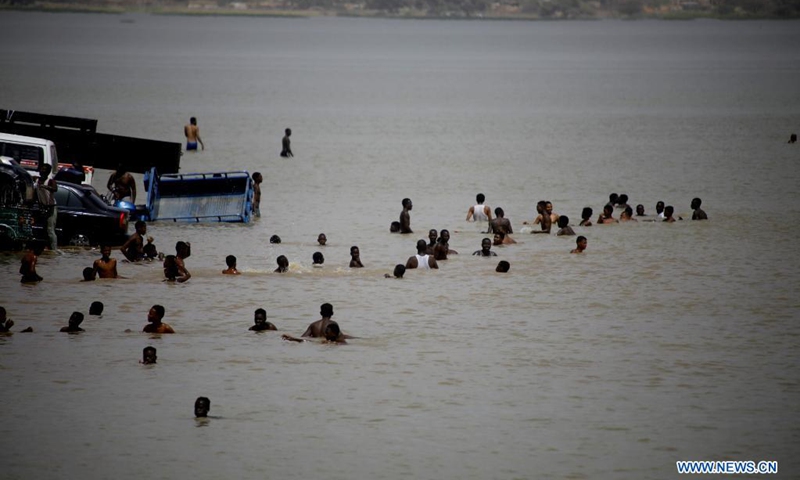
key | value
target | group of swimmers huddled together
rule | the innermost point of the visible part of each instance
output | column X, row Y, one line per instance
column 438, row 248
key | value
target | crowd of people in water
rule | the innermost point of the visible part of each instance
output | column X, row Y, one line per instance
column 139, row 247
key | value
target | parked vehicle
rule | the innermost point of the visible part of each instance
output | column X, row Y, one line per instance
column 84, row 219
column 19, row 210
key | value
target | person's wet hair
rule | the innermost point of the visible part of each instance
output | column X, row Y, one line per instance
column 257, row 175
column 96, row 308
column 184, row 247
column 586, row 213
column 399, row 270
column 499, row 212
column 353, row 249
column 669, row 210
column 317, row 258
column 201, row 407
column 89, row 274
column 563, row 221
column 580, row 239
column 230, row 261
column 480, row 198
column 75, row 319
column 628, row 211
column 422, row 245
column 283, row 262
column 623, row 198
column 326, row 310
column 160, row 311
column 612, row 198
column 406, row 201
column 696, row 202
column 503, row 266
column 394, row 227
column 274, row 239
column 260, row 311
column 332, row 331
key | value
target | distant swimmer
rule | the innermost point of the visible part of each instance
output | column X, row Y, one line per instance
column 230, row 261
column 355, row 257
column 317, row 329
column 442, row 248
column 75, row 321
column 283, row 264
column 479, row 211
column 622, row 201
column 698, row 213
column 149, row 356
column 274, row 239
column 96, row 309
column 399, row 271
column 612, row 199
column 544, row 219
column 580, row 243
column 257, row 180
column 405, row 217
column 486, row 249
column 422, row 259
column 122, row 185
column 503, row 267
column 548, row 208
column 586, row 217
column 640, row 210
column 89, row 274
column 174, row 271
column 322, row 239
column 133, row 248
column 660, row 210
column 192, row 134
column 627, row 215
column 317, row 259
column 331, row 334
column 27, row 266
column 563, row 226
column 793, row 138
column 201, row 407
column 501, row 225
column 433, row 235
column 260, row 322
column 5, row 323
column 105, row 267
column 286, row 144
column 155, row 325
column 669, row 211
column 394, row 227
column 607, row 216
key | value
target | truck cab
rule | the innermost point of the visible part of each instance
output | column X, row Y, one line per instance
column 29, row 152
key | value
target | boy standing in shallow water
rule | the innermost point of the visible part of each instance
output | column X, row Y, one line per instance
column 581, row 245
column 257, row 179
column 230, row 260
column 27, row 267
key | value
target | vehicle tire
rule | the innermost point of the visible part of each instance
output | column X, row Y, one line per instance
column 79, row 240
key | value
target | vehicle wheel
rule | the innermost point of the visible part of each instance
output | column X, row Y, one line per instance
column 79, row 240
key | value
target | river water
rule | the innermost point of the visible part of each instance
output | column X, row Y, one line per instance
column 661, row 343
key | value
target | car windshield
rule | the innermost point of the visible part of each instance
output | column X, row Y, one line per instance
column 95, row 199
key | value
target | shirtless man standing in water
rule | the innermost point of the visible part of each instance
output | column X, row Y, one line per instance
column 122, row 184
column 106, row 267
column 192, row 133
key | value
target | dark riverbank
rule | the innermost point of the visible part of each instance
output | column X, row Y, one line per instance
column 454, row 9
